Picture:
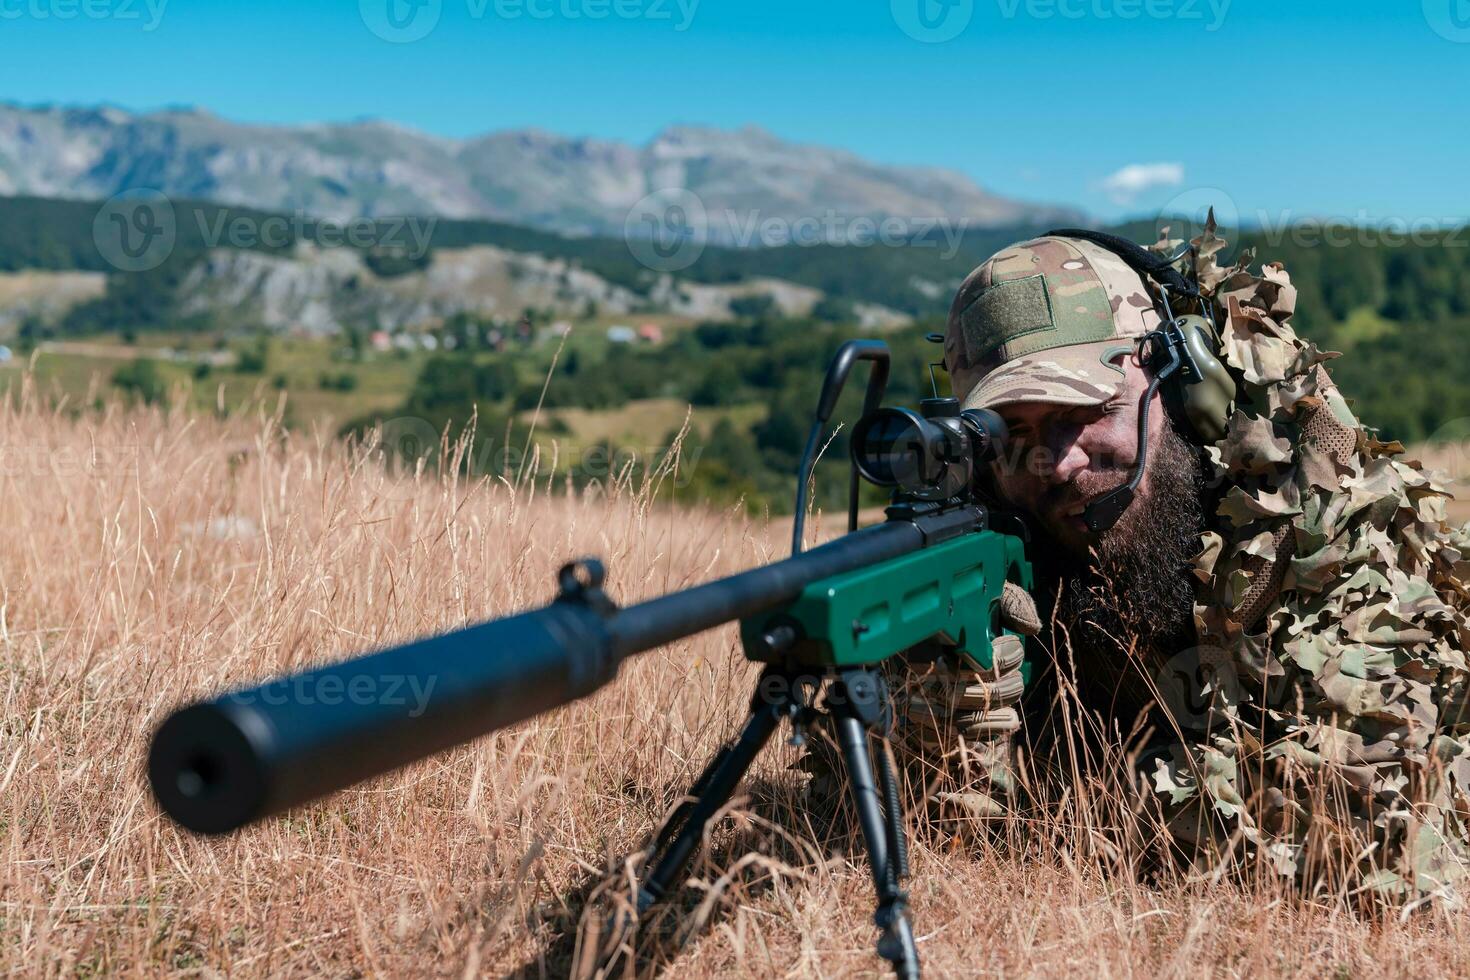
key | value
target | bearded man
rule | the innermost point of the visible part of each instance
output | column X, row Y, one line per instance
column 1293, row 573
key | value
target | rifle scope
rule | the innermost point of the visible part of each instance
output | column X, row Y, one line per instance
column 935, row 455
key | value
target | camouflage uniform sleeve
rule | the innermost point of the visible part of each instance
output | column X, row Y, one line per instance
column 1339, row 735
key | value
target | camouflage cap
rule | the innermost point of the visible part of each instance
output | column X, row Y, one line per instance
column 1045, row 321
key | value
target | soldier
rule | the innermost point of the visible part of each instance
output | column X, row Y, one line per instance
column 1296, row 572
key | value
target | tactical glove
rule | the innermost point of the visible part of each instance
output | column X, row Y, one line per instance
column 961, row 717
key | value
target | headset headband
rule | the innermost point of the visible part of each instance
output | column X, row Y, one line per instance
column 1145, row 263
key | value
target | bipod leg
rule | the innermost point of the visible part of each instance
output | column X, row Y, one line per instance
column 860, row 706
column 685, row 829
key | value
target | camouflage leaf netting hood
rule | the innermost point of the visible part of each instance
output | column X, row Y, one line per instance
column 1331, row 608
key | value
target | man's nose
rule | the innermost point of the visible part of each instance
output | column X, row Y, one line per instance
column 1069, row 452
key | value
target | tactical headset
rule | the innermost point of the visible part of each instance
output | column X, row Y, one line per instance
column 1182, row 357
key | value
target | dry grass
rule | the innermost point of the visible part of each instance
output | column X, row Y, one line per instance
column 1452, row 459
column 149, row 558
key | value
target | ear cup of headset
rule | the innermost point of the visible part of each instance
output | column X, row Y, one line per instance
column 1200, row 394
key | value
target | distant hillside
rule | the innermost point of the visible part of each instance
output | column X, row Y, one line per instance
column 1400, row 310
column 528, row 177
column 470, row 266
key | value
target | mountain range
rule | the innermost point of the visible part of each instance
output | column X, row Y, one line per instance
column 529, row 177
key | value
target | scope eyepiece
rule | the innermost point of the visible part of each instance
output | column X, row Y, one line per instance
column 931, row 458
column 988, row 433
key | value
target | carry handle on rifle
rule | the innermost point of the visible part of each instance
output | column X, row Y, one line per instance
column 847, row 355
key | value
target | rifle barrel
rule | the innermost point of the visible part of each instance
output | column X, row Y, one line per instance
column 218, row 765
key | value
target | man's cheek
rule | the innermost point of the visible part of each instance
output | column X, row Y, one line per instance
column 1040, row 462
column 1011, row 479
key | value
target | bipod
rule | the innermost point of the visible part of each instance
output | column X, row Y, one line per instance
column 857, row 703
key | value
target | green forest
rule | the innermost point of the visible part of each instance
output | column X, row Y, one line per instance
column 1399, row 312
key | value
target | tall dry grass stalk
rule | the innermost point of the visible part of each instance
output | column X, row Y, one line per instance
column 150, row 557
column 1452, row 461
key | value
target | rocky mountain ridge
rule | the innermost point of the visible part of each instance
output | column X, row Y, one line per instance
column 582, row 186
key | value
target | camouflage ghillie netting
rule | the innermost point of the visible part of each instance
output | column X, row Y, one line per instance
column 1331, row 611
column 1322, row 722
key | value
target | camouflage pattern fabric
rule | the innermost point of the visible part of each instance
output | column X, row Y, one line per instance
column 1041, row 321
column 958, row 721
column 1338, row 729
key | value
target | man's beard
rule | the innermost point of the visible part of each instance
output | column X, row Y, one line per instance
column 1129, row 606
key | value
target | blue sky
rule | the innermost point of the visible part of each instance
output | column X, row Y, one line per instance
column 1287, row 108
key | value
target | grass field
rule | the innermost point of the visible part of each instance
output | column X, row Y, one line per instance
column 82, row 372
column 150, row 558
column 644, row 422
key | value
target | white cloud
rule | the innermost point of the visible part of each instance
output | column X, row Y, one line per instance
column 1126, row 184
